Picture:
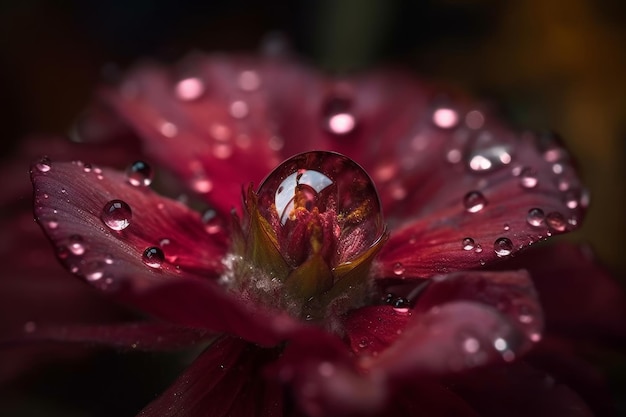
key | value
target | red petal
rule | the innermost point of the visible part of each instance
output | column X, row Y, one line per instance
column 136, row 336
column 372, row 329
column 518, row 391
column 225, row 380
column 69, row 204
column 219, row 109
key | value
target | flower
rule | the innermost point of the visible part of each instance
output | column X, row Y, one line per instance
column 310, row 300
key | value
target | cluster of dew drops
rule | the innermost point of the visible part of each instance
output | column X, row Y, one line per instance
column 116, row 215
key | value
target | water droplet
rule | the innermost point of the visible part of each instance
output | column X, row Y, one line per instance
column 94, row 272
column 212, row 223
column 454, row 156
column 108, row 259
column 153, row 257
column 468, row 243
column 116, row 214
column 52, row 224
column 445, row 118
column 189, row 89
column 168, row 129
column 76, row 245
column 502, row 346
column 557, row 169
column 139, row 173
column 338, row 117
column 571, row 199
column 525, row 315
column 488, row 159
column 249, row 80
column 474, row 201
column 474, row 119
column 470, row 345
column 535, row 217
column 239, row 109
column 44, row 164
column 556, row 221
column 201, row 184
column 528, row 178
column 478, row 249
column 30, row 327
column 507, row 227
column 503, row 246
column 398, row 269
column 87, row 167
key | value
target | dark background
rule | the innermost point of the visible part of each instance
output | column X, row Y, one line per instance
column 557, row 64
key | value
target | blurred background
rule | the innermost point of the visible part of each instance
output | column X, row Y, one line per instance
column 558, row 64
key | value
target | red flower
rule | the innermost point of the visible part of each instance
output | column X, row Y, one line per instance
column 305, row 292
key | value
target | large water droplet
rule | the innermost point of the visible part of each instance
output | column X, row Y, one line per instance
column 44, row 164
column 337, row 115
column 116, row 214
column 474, row 201
column 139, row 173
column 556, row 221
column 535, row 217
column 503, row 246
column 323, row 180
column 153, row 257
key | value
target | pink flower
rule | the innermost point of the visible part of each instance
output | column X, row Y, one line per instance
column 347, row 283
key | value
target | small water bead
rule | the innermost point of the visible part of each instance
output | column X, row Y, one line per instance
column 76, row 245
column 52, row 224
column 528, row 178
column 506, row 227
column 556, row 221
column 503, row 246
column 189, row 89
column 211, row 221
column 201, row 184
column 468, row 243
column 398, row 269
column 30, row 327
column 168, row 129
column 249, row 80
column 239, row 109
column 445, row 118
column 337, row 116
column 116, row 214
column 484, row 160
column 535, row 217
column 153, row 257
column 44, row 164
column 474, row 201
column 87, row 168
column 478, row 249
column 139, row 173
column 557, row 169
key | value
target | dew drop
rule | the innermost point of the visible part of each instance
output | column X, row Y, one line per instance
column 189, row 89
column 503, row 246
column 506, row 227
column 87, row 168
column 52, row 224
column 478, row 249
column 398, row 269
column 153, row 257
column 211, row 222
column 139, row 173
column 468, row 243
column 76, row 245
column 528, row 178
column 535, row 217
column 201, row 184
column 556, row 221
column 44, row 164
column 116, row 214
column 474, row 201
column 470, row 345
column 338, row 118
column 168, row 129
column 445, row 118
column 571, row 200
column 249, row 80
column 239, row 109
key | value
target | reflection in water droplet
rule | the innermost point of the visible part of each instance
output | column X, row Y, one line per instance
column 189, row 89
column 535, row 217
column 153, row 257
column 116, row 214
column 338, row 118
column 474, row 201
column 445, row 118
column 468, row 243
column 139, row 173
column 528, row 178
column 556, row 221
column 489, row 158
column 503, row 246
column 44, row 164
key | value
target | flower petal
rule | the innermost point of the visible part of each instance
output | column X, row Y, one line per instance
column 221, row 110
column 106, row 249
column 225, row 380
column 461, row 321
column 136, row 336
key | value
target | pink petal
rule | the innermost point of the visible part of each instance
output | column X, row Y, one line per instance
column 225, row 380
column 136, row 336
column 220, row 109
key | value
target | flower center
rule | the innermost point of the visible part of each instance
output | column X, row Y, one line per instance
column 309, row 237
